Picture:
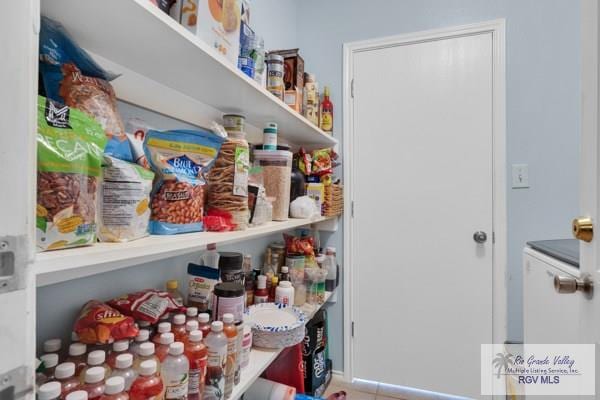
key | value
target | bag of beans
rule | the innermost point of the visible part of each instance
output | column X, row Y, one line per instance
column 69, row 156
column 179, row 159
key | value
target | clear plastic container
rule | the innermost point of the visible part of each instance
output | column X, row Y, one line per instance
column 124, row 369
column 114, row 389
column 163, row 327
column 178, row 328
column 94, row 382
column 77, row 356
column 148, row 385
column 53, row 346
column 216, row 342
column 197, row 354
column 204, row 324
column 163, row 349
column 118, row 348
column 191, row 313
column 96, row 358
column 146, row 352
column 65, row 374
column 315, row 285
column 175, row 373
column 173, row 289
column 142, row 337
column 230, row 331
column 277, row 170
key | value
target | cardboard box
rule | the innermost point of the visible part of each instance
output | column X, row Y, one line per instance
column 314, row 333
column 293, row 76
column 315, row 371
column 316, row 191
column 293, row 98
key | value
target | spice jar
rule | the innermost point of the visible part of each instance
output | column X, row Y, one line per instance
column 228, row 297
column 277, row 169
column 275, row 83
column 230, row 267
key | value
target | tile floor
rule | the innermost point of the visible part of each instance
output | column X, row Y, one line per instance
column 356, row 392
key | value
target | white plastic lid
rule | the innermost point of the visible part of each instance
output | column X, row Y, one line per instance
column 120, row 345
column 49, row 391
column 216, row 326
column 285, row 269
column 143, row 324
column 96, row 357
column 191, row 325
column 64, row 370
column 262, row 282
column 285, row 284
column 94, row 375
column 191, row 311
column 167, row 338
column 148, row 367
column 176, row 349
column 228, row 318
column 114, row 385
column 143, row 335
column 77, row 395
column 146, row 349
column 124, row 361
column 164, row 327
column 273, row 155
column 77, row 349
column 179, row 319
column 195, row 336
column 52, row 345
column 203, row 318
column 50, row 360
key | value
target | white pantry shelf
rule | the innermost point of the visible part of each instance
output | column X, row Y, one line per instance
column 139, row 37
column 63, row 265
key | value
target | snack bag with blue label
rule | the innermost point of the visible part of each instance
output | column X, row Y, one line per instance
column 180, row 159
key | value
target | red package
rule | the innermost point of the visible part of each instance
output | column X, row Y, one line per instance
column 218, row 221
column 99, row 323
column 299, row 245
column 146, row 305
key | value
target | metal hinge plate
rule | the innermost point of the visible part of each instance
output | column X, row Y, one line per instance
column 13, row 261
column 352, row 329
column 352, row 209
column 352, row 88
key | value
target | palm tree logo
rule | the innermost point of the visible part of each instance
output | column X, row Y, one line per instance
column 502, row 361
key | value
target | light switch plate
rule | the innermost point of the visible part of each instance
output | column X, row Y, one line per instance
column 520, row 176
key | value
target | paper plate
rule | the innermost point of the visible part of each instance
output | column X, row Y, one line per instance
column 275, row 326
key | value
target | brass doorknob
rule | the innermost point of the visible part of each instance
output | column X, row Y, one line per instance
column 583, row 229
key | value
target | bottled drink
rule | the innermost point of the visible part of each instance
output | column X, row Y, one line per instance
column 65, row 375
column 204, row 324
column 230, row 331
column 175, row 372
column 77, row 356
column 284, row 275
column 124, row 369
column 248, row 279
column 210, row 258
column 191, row 313
column 114, row 389
column 94, row 382
column 146, row 352
column 197, row 354
column 274, row 284
column 330, row 264
column 148, row 385
column 173, row 290
column 163, row 327
column 77, row 395
column 163, row 349
column 96, row 358
column 142, row 337
column 216, row 343
column 178, row 327
column 118, row 348
column 53, row 346
column 49, row 391
column 261, row 295
column 50, row 362
column 190, row 326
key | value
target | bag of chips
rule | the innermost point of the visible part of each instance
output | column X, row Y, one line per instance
column 146, row 305
column 301, row 246
column 99, row 323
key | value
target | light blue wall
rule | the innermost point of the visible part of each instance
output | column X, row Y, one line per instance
column 543, row 102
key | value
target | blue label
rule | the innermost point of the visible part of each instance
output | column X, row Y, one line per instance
column 184, row 166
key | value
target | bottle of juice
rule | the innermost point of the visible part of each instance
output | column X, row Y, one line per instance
column 77, row 395
column 163, row 349
column 175, row 373
column 124, row 369
column 191, row 314
column 53, row 346
column 173, row 290
column 261, row 295
column 114, row 389
column 49, row 391
column 148, row 385
column 190, row 326
column 142, row 337
column 94, row 382
column 163, row 327
column 50, row 362
column 197, row 354
column 77, row 356
column 230, row 330
column 178, row 327
column 216, row 343
column 65, row 374
column 146, row 352
column 96, row 358
column 119, row 347
column 204, row 324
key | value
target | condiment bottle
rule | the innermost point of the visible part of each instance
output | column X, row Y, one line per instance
column 274, row 284
column 210, row 257
column 260, row 294
column 94, row 382
column 172, row 289
column 216, row 343
column 65, row 374
column 248, row 279
column 124, row 369
column 163, row 349
column 204, row 324
column 284, row 294
column 178, row 327
column 77, row 356
column 114, row 389
column 142, row 337
column 146, row 352
column 197, row 354
column 163, row 327
column 52, row 346
column 96, row 358
column 50, row 362
column 77, row 395
column 230, row 330
column 49, row 391
column 191, row 313
column 175, row 373
column 148, row 385
column 326, row 112
column 284, row 275
column 119, row 347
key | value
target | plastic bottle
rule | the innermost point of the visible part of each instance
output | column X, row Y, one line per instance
column 114, row 389
column 258, row 55
column 49, row 391
column 248, row 279
column 124, row 369
column 190, row 326
column 96, row 358
column 270, row 136
column 77, row 356
column 178, row 327
column 191, row 313
column 197, row 355
column 330, row 264
column 50, row 362
column 204, row 324
column 77, row 395
column 284, row 275
column 230, row 330
column 142, row 337
column 94, row 382
column 146, row 352
column 53, row 346
column 274, row 284
column 148, row 385
column 175, row 373
column 261, row 295
column 216, row 343
column 65, row 374
column 163, row 327
column 173, row 290
column 210, row 258
column 163, row 349
column 119, row 347
column 284, row 294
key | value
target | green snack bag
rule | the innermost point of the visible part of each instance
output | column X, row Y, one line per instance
column 70, row 145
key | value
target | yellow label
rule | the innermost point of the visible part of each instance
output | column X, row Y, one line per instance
column 58, row 245
column 68, row 225
column 182, row 147
column 326, row 121
column 40, row 211
column 142, row 207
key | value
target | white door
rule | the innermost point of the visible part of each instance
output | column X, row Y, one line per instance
column 423, row 173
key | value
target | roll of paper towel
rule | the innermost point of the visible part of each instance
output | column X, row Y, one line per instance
column 263, row 389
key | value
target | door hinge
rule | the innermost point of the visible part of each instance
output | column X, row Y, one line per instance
column 352, row 88
column 352, row 329
column 493, row 237
column 352, row 209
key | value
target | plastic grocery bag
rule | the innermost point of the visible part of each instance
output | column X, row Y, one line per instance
column 304, row 207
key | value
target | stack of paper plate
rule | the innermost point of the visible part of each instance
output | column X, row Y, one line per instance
column 275, row 326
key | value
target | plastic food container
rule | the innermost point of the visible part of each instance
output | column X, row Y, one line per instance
column 277, row 171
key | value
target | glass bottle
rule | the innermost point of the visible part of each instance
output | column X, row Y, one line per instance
column 230, row 330
column 163, row 349
column 114, row 389
column 326, row 112
column 146, row 352
column 124, row 369
column 273, row 289
column 216, row 343
column 148, row 385
column 178, row 327
column 65, row 374
column 49, row 391
column 96, row 358
column 173, row 290
column 77, row 356
column 284, row 275
column 197, row 354
column 119, row 347
column 175, row 373
column 94, row 382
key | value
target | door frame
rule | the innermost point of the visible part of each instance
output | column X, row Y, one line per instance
column 499, row 259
